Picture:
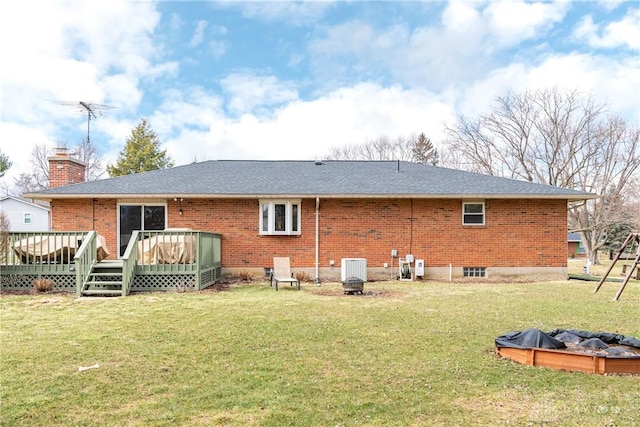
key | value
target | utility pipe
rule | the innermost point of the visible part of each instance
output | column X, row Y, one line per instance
column 317, row 241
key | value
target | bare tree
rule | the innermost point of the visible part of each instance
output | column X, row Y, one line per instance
column 38, row 178
column 560, row 138
column 88, row 153
column 407, row 148
column 5, row 227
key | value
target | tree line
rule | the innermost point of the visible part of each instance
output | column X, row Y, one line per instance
column 558, row 137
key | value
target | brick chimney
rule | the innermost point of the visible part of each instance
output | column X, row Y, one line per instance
column 64, row 169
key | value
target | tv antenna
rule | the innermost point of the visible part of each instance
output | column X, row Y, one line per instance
column 91, row 109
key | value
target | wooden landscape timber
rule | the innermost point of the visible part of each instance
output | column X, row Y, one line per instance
column 572, row 361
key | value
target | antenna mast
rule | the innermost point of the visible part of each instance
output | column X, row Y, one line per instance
column 90, row 109
column 90, row 113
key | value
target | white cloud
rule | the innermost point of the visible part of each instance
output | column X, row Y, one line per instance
column 294, row 13
column 198, row 33
column 454, row 51
column 623, row 33
column 308, row 129
column 247, row 92
column 217, row 48
column 511, row 22
column 616, row 83
column 610, row 5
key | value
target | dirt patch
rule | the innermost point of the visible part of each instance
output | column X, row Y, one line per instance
column 32, row 292
column 43, row 301
column 372, row 293
column 219, row 286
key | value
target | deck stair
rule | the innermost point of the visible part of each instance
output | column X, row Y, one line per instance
column 105, row 279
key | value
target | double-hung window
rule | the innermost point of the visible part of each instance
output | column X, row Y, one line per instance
column 280, row 217
column 473, row 213
column 27, row 218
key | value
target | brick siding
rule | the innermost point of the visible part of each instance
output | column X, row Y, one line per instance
column 518, row 233
column 64, row 170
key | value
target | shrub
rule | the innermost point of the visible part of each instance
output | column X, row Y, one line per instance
column 302, row 276
column 245, row 276
column 43, row 285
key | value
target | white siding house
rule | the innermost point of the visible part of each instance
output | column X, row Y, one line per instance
column 24, row 215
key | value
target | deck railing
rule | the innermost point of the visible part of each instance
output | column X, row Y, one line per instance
column 44, row 250
column 28, row 256
column 129, row 264
column 177, row 252
column 153, row 260
column 85, row 258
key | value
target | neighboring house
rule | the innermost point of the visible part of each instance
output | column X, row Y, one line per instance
column 575, row 248
column 318, row 212
column 24, row 215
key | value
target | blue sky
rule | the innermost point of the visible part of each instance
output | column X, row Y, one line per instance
column 291, row 80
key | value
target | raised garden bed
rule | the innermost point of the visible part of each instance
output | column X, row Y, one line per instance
column 574, row 351
column 572, row 361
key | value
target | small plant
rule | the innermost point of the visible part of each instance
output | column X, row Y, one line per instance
column 302, row 276
column 43, row 285
column 245, row 276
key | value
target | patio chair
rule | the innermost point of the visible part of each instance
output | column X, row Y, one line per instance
column 281, row 272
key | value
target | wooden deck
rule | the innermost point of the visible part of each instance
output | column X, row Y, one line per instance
column 153, row 261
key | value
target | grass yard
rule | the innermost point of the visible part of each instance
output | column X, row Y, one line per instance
column 403, row 354
column 575, row 267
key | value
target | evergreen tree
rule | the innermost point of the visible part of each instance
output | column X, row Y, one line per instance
column 141, row 153
column 5, row 163
column 424, row 152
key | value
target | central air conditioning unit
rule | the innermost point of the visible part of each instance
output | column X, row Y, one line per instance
column 353, row 267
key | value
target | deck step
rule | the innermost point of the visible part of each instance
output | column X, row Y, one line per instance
column 104, row 279
column 89, row 292
column 102, row 283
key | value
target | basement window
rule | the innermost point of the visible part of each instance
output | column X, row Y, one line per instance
column 474, row 271
column 280, row 217
column 473, row 213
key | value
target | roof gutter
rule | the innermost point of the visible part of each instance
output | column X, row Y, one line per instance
column 48, row 197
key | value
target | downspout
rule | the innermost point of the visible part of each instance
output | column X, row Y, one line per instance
column 317, row 241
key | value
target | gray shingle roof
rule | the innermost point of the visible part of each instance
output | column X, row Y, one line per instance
column 246, row 178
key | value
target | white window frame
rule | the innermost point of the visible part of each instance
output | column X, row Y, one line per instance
column 481, row 214
column 27, row 218
column 269, row 229
column 474, row 271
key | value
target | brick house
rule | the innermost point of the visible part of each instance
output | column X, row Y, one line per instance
column 460, row 224
column 575, row 249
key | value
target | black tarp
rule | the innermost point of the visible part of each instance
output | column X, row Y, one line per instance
column 556, row 339
column 529, row 338
column 606, row 337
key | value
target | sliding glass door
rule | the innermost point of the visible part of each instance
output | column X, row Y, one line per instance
column 139, row 217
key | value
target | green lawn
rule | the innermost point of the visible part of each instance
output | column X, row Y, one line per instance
column 403, row 354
